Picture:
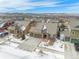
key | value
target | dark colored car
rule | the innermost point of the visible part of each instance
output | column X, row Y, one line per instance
column 77, row 46
column 3, row 34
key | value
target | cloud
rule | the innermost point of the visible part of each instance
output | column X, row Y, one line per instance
column 13, row 5
column 74, row 8
column 21, row 5
column 24, row 5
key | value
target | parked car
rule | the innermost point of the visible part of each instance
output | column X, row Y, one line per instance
column 2, row 34
column 77, row 46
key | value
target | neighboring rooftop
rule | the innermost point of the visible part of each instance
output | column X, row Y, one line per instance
column 51, row 28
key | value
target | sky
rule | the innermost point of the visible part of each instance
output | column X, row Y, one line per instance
column 39, row 6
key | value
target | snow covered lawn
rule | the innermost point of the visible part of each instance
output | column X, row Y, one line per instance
column 10, row 52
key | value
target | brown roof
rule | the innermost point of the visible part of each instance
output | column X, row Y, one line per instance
column 51, row 27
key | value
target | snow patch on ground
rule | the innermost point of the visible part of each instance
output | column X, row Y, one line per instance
column 58, row 46
column 8, row 52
